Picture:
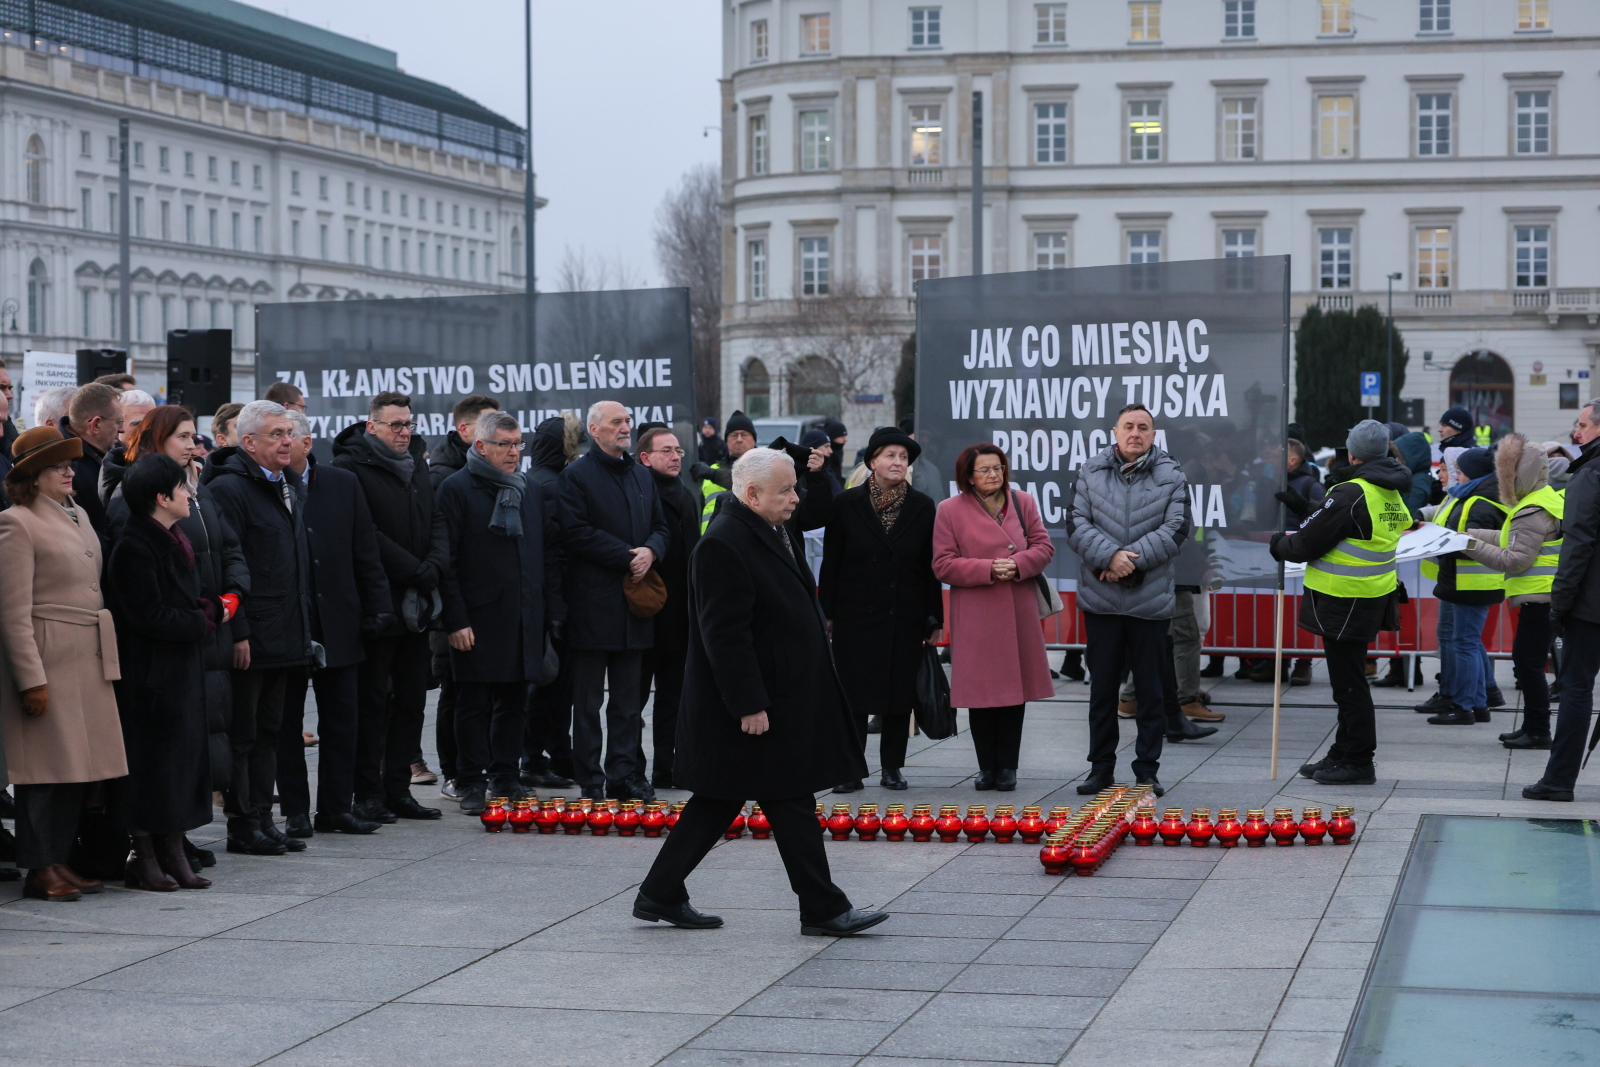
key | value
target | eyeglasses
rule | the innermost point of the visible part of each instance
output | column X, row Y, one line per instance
column 400, row 427
column 518, row 445
column 276, row 435
column 665, row 451
column 989, row 470
column 6, row 387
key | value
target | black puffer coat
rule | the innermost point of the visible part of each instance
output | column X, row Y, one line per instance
column 547, row 455
column 410, row 530
column 1577, row 586
column 446, row 459
column 608, row 506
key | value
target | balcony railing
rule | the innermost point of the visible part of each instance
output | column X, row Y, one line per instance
column 1531, row 298
column 1431, row 300
column 1575, row 302
column 925, row 176
column 1335, row 301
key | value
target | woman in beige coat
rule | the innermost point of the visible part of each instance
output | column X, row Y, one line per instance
column 58, row 710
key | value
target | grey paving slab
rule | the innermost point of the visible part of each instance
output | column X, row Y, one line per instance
column 303, row 875
column 392, row 921
column 1348, row 929
column 863, row 974
column 1291, row 1048
column 916, row 921
column 813, row 1002
column 1212, row 998
column 951, row 1039
column 1338, row 954
column 1052, row 1012
column 199, row 913
column 609, row 926
column 708, row 1057
column 908, row 949
column 903, row 1061
column 836, row 1036
column 1073, row 953
column 55, row 960
column 1255, row 943
column 12, row 995
column 1032, row 980
column 957, row 904
column 1067, row 906
column 1133, row 931
column 1139, row 888
column 1314, row 1013
column 1164, row 1048
column 1327, row 982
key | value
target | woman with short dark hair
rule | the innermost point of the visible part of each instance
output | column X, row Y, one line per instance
column 989, row 546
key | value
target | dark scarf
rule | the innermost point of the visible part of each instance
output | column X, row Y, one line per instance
column 401, row 464
column 886, row 502
column 506, row 520
column 180, row 543
column 1131, row 468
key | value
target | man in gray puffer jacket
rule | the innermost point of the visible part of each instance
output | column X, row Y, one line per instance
column 1127, row 527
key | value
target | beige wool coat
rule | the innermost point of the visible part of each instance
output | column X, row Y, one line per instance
column 55, row 630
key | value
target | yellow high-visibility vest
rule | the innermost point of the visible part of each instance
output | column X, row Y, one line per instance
column 1365, row 567
column 1541, row 577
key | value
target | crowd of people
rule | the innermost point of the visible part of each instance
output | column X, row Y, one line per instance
column 170, row 598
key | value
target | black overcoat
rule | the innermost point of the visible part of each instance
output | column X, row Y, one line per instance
column 758, row 643
column 880, row 592
column 347, row 580
column 161, row 698
column 608, row 506
column 508, row 589
column 681, row 507
column 409, row 529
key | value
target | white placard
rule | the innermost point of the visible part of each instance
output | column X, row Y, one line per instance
column 42, row 371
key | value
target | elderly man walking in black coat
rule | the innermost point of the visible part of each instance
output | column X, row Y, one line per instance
column 613, row 531
column 502, row 593
column 763, row 714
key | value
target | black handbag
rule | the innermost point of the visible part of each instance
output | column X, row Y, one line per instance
column 935, row 717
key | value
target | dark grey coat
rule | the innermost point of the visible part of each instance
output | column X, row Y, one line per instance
column 1146, row 516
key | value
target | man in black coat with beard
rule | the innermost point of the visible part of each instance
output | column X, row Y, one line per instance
column 764, row 714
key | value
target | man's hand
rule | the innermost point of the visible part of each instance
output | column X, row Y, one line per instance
column 755, row 724
column 815, row 460
column 642, row 558
column 1003, row 570
column 1122, row 563
column 462, row 640
column 36, row 701
column 241, row 655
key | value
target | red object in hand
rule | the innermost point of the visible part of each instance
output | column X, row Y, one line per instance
column 1228, row 828
column 922, row 822
column 1200, row 827
column 976, row 824
column 1144, row 827
column 493, row 817
column 1054, row 856
column 1256, row 829
column 1004, row 824
column 840, row 823
column 1031, row 826
column 948, row 824
column 1312, row 828
column 230, row 601
column 759, row 825
column 736, row 827
column 1342, row 827
column 653, row 821
column 895, row 823
column 1172, row 828
column 868, row 822
column 1284, row 828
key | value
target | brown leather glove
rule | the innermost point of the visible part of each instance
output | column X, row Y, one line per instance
column 36, row 701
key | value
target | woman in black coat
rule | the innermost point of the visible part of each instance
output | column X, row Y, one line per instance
column 162, row 623
column 880, row 595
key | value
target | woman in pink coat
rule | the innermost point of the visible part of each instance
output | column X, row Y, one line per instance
column 988, row 545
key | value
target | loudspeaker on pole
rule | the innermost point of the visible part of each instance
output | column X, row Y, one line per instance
column 199, row 369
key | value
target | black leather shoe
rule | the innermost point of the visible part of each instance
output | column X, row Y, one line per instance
column 1096, row 781
column 547, row 780
column 1523, row 739
column 1480, row 714
column 1154, row 783
column 1347, row 774
column 1005, row 780
column 293, row 844
column 661, row 781
column 1453, row 716
column 635, row 788
column 344, row 822
column 1436, row 703
column 374, row 810
column 680, row 915
column 298, row 826
column 893, row 780
column 1309, row 770
column 984, row 781
column 1542, row 790
column 474, row 800
column 874, row 724
column 253, row 842
column 198, row 857
column 853, row 786
column 406, row 807
column 849, row 924
column 1188, row 730
column 593, row 792
column 1496, row 699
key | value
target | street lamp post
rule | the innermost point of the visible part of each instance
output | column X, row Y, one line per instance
column 530, row 201
column 1388, row 340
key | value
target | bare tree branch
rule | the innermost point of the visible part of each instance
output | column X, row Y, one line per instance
column 858, row 327
column 689, row 250
column 582, row 273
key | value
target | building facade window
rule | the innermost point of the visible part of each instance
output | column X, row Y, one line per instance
column 1239, row 127
column 1532, row 252
column 322, row 187
column 188, row 224
column 113, row 220
column 1433, row 257
column 233, row 172
column 366, row 249
column 1433, row 16
column 234, row 227
column 760, row 42
column 138, row 153
column 1239, row 20
column 166, row 220
column 385, row 254
column 1532, row 136
column 814, row 388
column 926, row 256
column 816, row 140
column 294, row 237
column 256, row 228
column 1144, row 246
column 164, row 161
column 1434, row 114
column 1239, row 244
column 255, row 176
column 322, row 240
column 350, row 246
column 757, row 390
column 1144, row 131
column 1144, row 21
column 1335, row 21
column 213, row 234
column 405, row 255
column 1533, row 14
column 1335, row 257
column 927, row 135
column 1050, row 24
column 211, row 168
column 38, row 296
column 925, row 27
column 85, row 312
column 756, row 270
column 188, row 164
column 455, row 263
column 1050, row 132
column 85, row 144
column 816, row 35
column 86, row 208
column 760, row 149
column 1336, row 126
column 816, row 266
column 1050, row 251
column 33, row 170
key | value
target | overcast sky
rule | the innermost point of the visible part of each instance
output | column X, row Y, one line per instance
column 622, row 91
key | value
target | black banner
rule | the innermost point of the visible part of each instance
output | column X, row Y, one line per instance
column 629, row 346
column 1040, row 363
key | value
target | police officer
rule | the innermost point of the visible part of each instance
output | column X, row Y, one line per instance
column 1352, row 589
column 716, row 478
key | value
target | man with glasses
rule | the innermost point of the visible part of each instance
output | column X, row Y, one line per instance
column 389, row 458
column 502, row 594
column 614, row 531
column 288, row 395
column 261, row 497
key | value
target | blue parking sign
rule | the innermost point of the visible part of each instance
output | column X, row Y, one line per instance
column 1370, row 388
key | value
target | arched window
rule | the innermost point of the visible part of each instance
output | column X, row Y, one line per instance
column 33, row 162
column 1482, row 383
column 38, row 295
column 814, row 388
column 757, row 390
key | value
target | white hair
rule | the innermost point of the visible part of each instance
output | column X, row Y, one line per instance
column 255, row 415
column 593, row 418
column 492, row 420
column 756, row 467
column 302, row 425
column 52, row 404
column 136, row 398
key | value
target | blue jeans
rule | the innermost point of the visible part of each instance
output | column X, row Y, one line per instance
column 1462, row 653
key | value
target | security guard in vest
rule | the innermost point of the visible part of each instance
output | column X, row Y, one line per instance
column 717, row 478
column 1353, row 590
column 1467, row 589
column 1526, row 549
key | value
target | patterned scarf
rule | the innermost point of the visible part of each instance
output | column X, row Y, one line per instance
column 506, row 518
column 1131, row 467
column 886, row 501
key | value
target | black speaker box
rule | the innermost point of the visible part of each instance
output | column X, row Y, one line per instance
column 94, row 362
column 200, row 369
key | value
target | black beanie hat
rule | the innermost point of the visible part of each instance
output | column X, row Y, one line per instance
column 739, row 421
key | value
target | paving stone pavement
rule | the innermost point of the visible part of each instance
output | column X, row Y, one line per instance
column 434, row 942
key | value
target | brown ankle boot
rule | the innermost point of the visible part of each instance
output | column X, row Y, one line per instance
column 170, row 854
column 84, row 885
column 143, row 871
column 45, row 884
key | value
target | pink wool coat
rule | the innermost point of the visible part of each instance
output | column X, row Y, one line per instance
column 996, row 644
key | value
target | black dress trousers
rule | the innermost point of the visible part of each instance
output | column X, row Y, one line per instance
column 794, row 828
column 393, row 698
column 547, row 743
column 663, row 666
column 1116, row 645
column 491, row 718
column 336, row 746
column 253, row 736
column 1356, row 739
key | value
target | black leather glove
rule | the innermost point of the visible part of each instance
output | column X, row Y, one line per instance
column 1558, row 621
column 1297, row 504
column 1273, row 547
column 378, row 625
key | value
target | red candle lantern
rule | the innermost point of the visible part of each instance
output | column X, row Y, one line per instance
column 895, row 823
column 1083, row 857
column 1228, row 827
column 1054, row 855
column 1284, row 828
column 822, row 819
column 548, row 817
column 675, row 813
column 922, row 823
column 976, row 824
column 1030, row 827
column 627, row 820
column 868, row 822
column 1342, row 827
column 1256, row 829
column 521, row 817
column 1200, row 828
column 1312, row 828
column 600, row 820
column 653, row 821
column 736, row 827
column 1144, row 827
column 759, row 825
column 573, row 820
column 494, row 816
column 840, row 823
column 1004, row 824
column 948, row 824
column 1172, row 829
column 1058, row 818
